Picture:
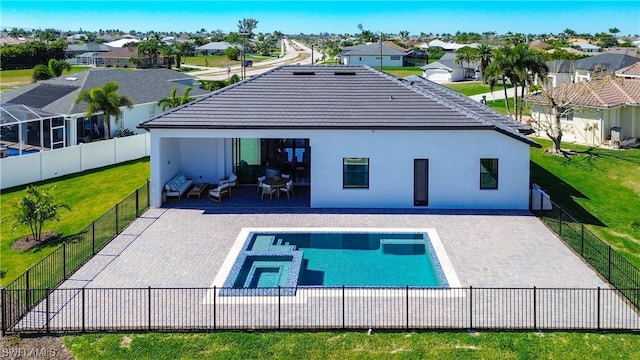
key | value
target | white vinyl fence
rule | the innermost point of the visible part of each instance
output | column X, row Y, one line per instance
column 25, row 169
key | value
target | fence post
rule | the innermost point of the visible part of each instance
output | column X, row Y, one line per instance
column 3, row 306
column 83, row 308
column 407, row 302
column 535, row 310
column 117, row 219
column 609, row 265
column 470, row 307
column 598, row 312
column 279, row 316
column 137, row 203
column 46, row 313
column 64, row 260
column 149, row 308
column 560, row 222
column 93, row 238
column 215, row 295
column 582, row 240
column 343, row 307
column 27, row 294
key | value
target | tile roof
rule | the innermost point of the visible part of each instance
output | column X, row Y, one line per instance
column 334, row 97
column 142, row 86
column 632, row 71
column 607, row 92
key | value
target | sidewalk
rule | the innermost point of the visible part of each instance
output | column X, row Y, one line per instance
column 495, row 95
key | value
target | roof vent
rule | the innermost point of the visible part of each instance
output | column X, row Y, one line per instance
column 351, row 73
column 304, row 73
column 71, row 79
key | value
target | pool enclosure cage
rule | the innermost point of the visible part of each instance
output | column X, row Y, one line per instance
column 25, row 129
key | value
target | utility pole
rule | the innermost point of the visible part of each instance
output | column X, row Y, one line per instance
column 380, row 50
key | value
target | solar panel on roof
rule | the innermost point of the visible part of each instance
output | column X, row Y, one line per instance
column 43, row 95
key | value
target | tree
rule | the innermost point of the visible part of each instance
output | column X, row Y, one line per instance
column 173, row 101
column 232, row 53
column 404, row 34
column 36, row 208
column 57, row 67
column 500, row 69
column 465, row 54
column 105, row 100
column 614, row 31
column 41, row 72
column 150, row 49
column 246, row 26
column 484, row 55
column 171, row 53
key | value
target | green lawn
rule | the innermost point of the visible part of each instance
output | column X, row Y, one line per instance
column 89, row 194
column 470, row 88
column 402, row 72
column 11, row 79
column 221, row 60
column 599, row 187
column 500, row 105
column 355, row 345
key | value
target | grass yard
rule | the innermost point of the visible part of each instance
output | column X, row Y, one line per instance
column 11, row 79
column 354, row 345
column 599, row 187
column 402, row 72
column 89, row 194
column 221, row 60
column 470, row 88
column 501, row 107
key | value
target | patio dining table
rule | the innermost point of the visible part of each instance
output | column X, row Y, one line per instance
column 276, row 182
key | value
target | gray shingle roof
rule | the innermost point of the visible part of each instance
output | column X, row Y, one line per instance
column 448, row 62
column 333, row 97
column 142, row 86
column 611, row 61
column 372, row 50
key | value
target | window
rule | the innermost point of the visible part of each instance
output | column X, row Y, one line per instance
column 565, row 114
column 395, row 57
column 488, row 173
column 355, row 173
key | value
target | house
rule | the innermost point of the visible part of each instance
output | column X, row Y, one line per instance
column 361, row 139
column 586, row 47
column 58, row 95
column 447, row 69
column 603, row 111
column 632, row 71
column 216, row 48
column 122, row 42
column 392, row 55
column 568, row 71
column 450, row 46
column 77, row 49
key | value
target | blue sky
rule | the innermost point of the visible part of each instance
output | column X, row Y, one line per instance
column 293, row 17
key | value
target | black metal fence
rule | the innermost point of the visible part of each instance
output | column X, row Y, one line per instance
column 51, row 271
column 172, row 309
column 618, row 271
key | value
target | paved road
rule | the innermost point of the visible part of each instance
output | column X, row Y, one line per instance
column 293, row 51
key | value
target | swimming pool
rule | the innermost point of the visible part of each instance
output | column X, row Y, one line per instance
column 268, row 259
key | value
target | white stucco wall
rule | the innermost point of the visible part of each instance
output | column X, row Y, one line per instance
column 454, row 168
column 373, row 61
column 454, row 165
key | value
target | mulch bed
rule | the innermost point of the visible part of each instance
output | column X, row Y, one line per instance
column 27, row 242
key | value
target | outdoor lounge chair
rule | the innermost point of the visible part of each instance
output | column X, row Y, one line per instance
column 232, row 180
column 217, row 193
column 260, row 182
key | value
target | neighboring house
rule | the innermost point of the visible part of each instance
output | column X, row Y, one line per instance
column 122, row 42
column 450, row 46
column 363, row 138
column 77, row 49
column 88, row 58
column 568, row 71
column 447, row 69
column 392, row 55
column 586, row 47
column 632, row 71
column 58, row 95
column 216, row 48
column 539, row 45
column 605, row 111
column 120, row 57
column 26, row 129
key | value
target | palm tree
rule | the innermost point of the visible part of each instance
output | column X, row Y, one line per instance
column 485, row 55
column 465, row 54
column 173, row 101
column 105, row 100
column 501, row 68
column 171, row 53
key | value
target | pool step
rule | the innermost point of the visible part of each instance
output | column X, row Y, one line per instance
column 269, row 242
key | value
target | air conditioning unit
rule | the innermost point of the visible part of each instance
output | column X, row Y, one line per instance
column 616, row 134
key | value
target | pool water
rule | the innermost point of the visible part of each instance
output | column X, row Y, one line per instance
column 336, row 259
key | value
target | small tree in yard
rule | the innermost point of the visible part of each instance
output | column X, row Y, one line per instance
column 36, row 208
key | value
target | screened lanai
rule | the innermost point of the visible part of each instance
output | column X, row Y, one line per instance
column 24, row 129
